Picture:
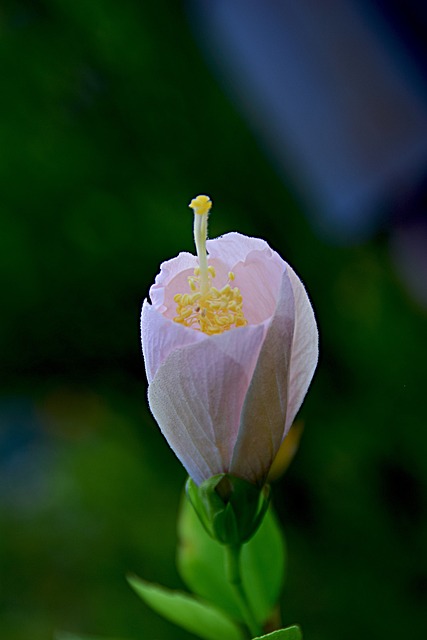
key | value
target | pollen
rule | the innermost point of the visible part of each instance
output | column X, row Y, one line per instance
column 214, row 312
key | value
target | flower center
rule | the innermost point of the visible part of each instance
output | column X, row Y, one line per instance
column 207, row 308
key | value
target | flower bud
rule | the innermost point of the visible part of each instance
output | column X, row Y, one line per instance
column 230, row 346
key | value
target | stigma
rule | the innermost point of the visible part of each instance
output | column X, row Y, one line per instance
column 205, row 307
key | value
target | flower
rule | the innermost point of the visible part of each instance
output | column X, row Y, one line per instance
column 230, row 345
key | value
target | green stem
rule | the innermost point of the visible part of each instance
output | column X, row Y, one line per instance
column 234, row 577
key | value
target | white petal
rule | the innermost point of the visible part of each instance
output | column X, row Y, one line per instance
column 234, row 247
column 197, row 395
column 160, row 336
column 264, row 411
column 305, row 349
column 175, row 271
column 259, row 279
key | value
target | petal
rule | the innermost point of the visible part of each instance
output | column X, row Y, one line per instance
column 258, row 270
column 197, row 396
column 234, row 247
column 259, row 279
column 174, row 271
column 305, row 349
column 160, row 336
column 264, row 411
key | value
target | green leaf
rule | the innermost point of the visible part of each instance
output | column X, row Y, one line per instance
column 195, row 616
column 201, row 561
column 291, row 633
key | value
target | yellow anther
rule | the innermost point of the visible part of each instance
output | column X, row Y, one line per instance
column 231, row 276
column 213, row 312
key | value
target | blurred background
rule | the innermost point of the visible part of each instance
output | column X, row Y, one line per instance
column 306, row 122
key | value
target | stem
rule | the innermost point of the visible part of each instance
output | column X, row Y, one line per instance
column 232, row 566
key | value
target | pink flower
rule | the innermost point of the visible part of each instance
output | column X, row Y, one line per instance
column 225, row 399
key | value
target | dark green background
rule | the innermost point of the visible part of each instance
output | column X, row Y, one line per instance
column 110, row 122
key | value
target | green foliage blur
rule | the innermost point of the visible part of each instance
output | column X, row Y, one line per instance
column 110, row 122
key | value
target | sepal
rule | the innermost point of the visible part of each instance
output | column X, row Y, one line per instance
column 230, row 508
column 200, row 563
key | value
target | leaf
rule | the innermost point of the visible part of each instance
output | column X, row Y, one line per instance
column 201, row 561
column 290, row 633
column 193, row 615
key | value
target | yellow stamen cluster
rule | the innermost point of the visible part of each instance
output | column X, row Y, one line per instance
column 207, row 308
column 213, row 312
